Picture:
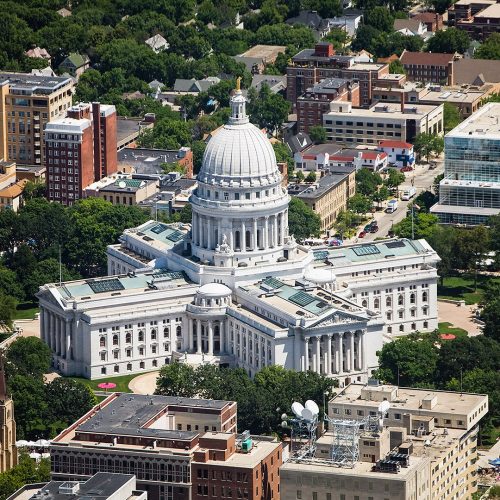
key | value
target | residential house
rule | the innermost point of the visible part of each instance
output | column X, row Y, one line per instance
column 64, row 12
column 276, row 83
column 75, row 64
column 410, row 27
column 432, row 20
column 400, row 154
column 38, row 52
column 157, row 43
column 348, row 21
column 254, row 65
column 310, row 18
column 11, row 197
column 194, row 86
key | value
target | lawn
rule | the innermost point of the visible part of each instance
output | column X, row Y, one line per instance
column 447, row 328
column 121, row 382
column 26, row 310
column 462, row 288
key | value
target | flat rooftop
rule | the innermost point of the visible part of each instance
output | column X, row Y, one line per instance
column 264, row 51
column 318, row 149
column 28, row 84
column 453, row 96
column 411, row 399
column 391, row 111
column 118, row 285
column 300, row 301
column 100, row 486
column 370, row 252
column 132, row 414
column 147, row 161
column 320, row 187
column 483, row 124
column 260, row 450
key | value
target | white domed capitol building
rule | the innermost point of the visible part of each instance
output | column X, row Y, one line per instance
column 234, row 288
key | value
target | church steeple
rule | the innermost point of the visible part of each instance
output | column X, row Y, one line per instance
column 3, row 384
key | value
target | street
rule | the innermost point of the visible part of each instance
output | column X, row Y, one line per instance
column 422, row 178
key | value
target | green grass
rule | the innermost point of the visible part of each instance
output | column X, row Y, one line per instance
column 447, row 328
column 462, row 288
column 121, row 382
column 26, row 310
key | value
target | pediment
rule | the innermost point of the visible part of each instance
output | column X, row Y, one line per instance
column 338, row 319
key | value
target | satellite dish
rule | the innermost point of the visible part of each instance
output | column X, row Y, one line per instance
column 383, row 407
column 307, row 414
column 311, row 405
column 297, row 409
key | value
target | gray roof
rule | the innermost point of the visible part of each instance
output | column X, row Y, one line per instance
column 322, row 186
column 128, row 414
column 34, row 84
column 101, row 485
column 147, row 161
column 249, row 62
column 308, row 18
column 476, row 71
column 192, row 85
column 276, row 83
column 298, row 142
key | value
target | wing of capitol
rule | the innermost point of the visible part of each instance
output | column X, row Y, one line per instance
column 234, row 288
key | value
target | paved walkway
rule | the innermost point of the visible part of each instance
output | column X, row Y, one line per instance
column 459, row 317
column 144, row 384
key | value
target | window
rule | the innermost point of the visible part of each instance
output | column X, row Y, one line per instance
column 116, row 369
column 115, row 339
column 128, row 338
column 102, row 342
column 141, row 336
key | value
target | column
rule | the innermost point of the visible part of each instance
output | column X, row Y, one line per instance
column 281, row 231
column 51, row 331
column 219, row 232
column 275, row 231
column 209, row 233
column 328, row 370
column 57, row 335
column 68, row 339
column 353, row 367
column 44, row 324
column 193, row 228
column 362, row 352
column 243, row 239
column 198, row 336
column 340, row 354
column 325, row 355
column 318, row 354
column 266, row 232
column 231, row 236
column 200, row 231
column 222, row 336
column 210, row 338
column 254, row 236
column 306, row 354
column 190, row 334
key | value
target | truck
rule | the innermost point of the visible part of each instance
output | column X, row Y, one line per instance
column 409, row 193
column 392, row 206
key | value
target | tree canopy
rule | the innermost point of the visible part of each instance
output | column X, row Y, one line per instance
column 449, row 41
column 303, row 222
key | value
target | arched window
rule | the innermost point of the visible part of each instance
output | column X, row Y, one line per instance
column 166, row 333
column 424, row 296
column 115, row 339
column 178, row 331
column 155, row 363
column 141, row 336
column 401, row 300
column 376, row 303
column 412, row 298
column 364, row 303
column 128, row 338
column 388, row 301
column 153, row 334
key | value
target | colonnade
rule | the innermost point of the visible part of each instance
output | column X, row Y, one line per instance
column 335, row 353
column 242, row 235
column 208, row 334
column 56, row 332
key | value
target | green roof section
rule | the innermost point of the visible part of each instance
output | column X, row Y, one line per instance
column 128, row 183
column 75, row 59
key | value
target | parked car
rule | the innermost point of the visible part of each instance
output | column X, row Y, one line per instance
column 406, row 169
column 373, row 228
column 362, row 234
column 368, row 227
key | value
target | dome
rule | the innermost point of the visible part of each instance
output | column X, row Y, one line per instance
column 239, row 151
column 320, row 276
column 214, row 290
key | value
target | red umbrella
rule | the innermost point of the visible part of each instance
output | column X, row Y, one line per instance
column 448, row 336
column 106, row 385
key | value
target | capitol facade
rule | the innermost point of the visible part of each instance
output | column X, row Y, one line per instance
column 234, row 288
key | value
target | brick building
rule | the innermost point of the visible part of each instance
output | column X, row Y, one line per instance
column 466, row 10
column 316, row 101
column 178, row 449
column 483, row 24
column 80, row 150
column 428, row 67
column 310, row 66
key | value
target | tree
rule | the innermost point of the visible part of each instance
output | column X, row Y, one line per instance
column 28, row 471
column 381, row 195
column 283, row 154
column 7, row 311
column 428, row 144
column 423, row 226
column 451, row 116
column 68, row 400
column 490, row 48
column 267, row 109
column 299, row 176
column 364, row 39
column 359, row 203
column 367, row 181
column 177, row 379
column 317, row 133
column 33, row 190
column 379, row 18
column 311, row 177
column 346, row 223
column 443, row 241
column 490, row 314
column 303, row 222
column 198, row 148
column 28, row 357
column 449, row 41
column 394, row 178
column 397, row 67
column 408, row 362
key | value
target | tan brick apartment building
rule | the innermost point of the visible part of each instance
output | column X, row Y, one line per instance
column 310, row 66
column 178, row 449
column 27, row 104
column 483, row 24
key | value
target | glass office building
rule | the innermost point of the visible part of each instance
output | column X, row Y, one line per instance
column 470, row 191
